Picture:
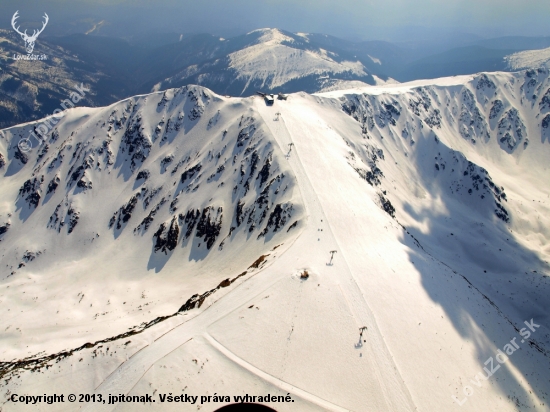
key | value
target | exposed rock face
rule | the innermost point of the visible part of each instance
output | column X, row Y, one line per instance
column 386, row 205
column 476, row 111
column 141, row 163
column 64, row 215
column 4, row 228
column 124, row 214
column 190, row 220
column 511, row 130
column 190, row 173
column 52, row 186
column 496, row 110
column 167, row 240
column 209, row 225
column 136, row 146
column 146, row 222
column 369, row 156
column 472, row 124
column 278, row 218
column 31, row 191
column 484, row 83
column 143, row 175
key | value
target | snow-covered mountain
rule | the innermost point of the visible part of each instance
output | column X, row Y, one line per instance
column 528, row 59
column 180, row 242
column 275, row 60
column 176, row 172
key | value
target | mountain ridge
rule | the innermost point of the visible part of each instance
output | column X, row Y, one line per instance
column 432, row 193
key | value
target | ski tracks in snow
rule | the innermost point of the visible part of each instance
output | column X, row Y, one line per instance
column 272, row 379
column 304, row 125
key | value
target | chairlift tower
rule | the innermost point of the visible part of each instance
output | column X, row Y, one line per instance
column 332, row 252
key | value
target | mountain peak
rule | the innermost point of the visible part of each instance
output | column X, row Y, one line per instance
column 271, row 35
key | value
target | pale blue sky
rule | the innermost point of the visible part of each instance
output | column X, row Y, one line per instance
column 345, row 18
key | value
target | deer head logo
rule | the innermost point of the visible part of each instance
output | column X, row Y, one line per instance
column 29, row 40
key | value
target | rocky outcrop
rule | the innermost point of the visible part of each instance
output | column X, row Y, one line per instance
column 166, row 240
column 124, row 214
column 512, row 131
column 65, row 214
column 31, row 191
column 209, row 225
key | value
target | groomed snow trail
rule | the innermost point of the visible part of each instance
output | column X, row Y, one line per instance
column 302, row 127
column 273, row 380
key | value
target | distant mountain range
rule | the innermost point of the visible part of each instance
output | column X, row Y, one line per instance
column 272, row 60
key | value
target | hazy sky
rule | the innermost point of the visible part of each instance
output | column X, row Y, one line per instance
column 372, row 19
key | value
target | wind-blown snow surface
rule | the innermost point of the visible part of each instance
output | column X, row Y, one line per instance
column 435, row 196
